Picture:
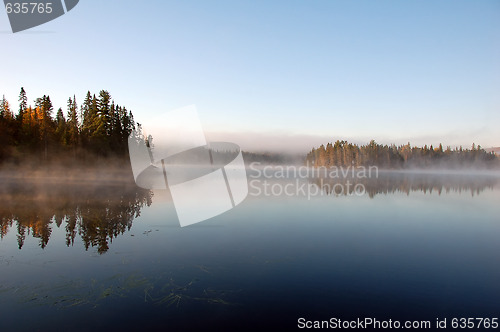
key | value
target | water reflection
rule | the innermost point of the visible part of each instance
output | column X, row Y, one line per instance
column 407, row 182
column 98, row 213
column 393, row 257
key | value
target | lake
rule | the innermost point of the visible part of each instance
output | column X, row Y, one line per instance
column 92, row 256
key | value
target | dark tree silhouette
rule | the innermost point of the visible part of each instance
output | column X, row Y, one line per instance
column 101, row 129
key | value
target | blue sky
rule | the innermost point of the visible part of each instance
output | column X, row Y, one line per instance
column 291, row 71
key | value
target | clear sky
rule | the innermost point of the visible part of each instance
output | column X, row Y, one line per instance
column 396, row 71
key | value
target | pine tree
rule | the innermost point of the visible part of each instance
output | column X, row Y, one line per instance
column 43, row 107
column 72, row 124
column 103, row 104
column 61, row 127
column 23, row 104
column 5, row 112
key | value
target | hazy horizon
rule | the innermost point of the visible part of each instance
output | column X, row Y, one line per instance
column 302, row 143
column 388, row 70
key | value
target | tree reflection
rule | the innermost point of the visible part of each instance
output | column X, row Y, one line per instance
column 97, row 213
column 406, row 182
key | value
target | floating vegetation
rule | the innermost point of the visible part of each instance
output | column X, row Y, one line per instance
column 204, row 268
column 162, row 290
column 3, row 289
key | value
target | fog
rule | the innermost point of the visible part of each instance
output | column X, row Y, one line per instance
column 270, row 142
column 303, row 143
column 98, row 200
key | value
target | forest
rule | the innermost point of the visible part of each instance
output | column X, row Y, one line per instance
column 96, row 128
column 343, row 153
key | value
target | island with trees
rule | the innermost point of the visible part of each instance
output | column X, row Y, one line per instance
column 345, row 154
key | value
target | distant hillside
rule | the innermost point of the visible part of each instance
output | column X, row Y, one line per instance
column 272, row 158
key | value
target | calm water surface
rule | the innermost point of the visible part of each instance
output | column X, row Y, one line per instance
column 91, row 257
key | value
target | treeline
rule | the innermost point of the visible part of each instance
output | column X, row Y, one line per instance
column 343, row 153
column 97, row 127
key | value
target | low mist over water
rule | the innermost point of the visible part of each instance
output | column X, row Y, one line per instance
column 413, row 245
column 99, row 204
